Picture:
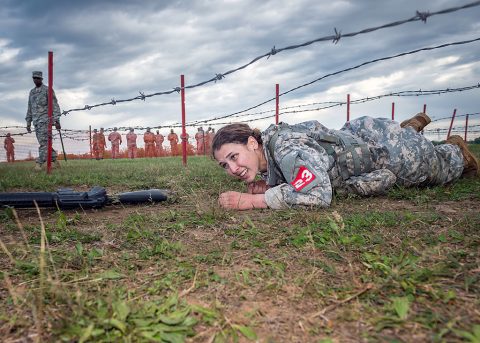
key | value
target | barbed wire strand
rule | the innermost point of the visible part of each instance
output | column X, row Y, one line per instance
column 340, row 72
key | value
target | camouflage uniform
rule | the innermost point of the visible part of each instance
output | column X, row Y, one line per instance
column 38, row 114
column 302, row 172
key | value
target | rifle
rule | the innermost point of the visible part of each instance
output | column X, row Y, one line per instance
column 66, row 198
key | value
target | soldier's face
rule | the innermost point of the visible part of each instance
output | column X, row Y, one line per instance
column 37, row 81
column 239, row 160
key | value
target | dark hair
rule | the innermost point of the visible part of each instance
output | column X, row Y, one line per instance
column 235, row 133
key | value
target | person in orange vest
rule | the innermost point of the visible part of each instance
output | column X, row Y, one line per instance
column 9, row 147
column 173, row 138
column 115, row 139
column 101, row 143
column 158, row 142
column 200, row 137
column 149, row 139
column 210, row 135
column 96, row 144
column 132, row 144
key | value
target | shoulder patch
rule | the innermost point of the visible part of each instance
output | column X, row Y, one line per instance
column 303, row 178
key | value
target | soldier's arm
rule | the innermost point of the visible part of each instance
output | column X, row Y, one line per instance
column 56, row 108
column 305, row 170
column 376, row 182
column 28, row 117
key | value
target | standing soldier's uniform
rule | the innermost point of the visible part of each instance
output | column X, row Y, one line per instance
column 96, row 139
column 173, row 138
column 115, row 139
column 132, row 144
column 37, row 113
column 307, row 161
column 158, row 144
column 102, row 143
column 9, row 147
column 200, row 137
column 149, row 140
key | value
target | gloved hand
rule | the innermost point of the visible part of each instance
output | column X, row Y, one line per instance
column 29, row 129
column 57, row 125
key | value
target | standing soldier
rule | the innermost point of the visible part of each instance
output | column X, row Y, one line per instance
column 173, row 138
column 149, row 139
column 132, row 144
column 158, row 142
column 102, row 143
column 201, row 141
column 37, row 113
column 8, row 145
column 116, row 139
column 96, row 144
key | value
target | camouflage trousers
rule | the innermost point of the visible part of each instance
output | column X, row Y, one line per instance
column 413, row 159
column 41, row 131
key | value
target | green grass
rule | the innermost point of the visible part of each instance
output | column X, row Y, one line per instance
column 402, row 267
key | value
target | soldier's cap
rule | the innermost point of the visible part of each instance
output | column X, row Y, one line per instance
column 8, row 134
column 101, row 128
column 38, row 74
column 131, row 129
column 148, row 129
column 115, row 128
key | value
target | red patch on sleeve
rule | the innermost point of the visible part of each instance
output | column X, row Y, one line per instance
column 303, row 178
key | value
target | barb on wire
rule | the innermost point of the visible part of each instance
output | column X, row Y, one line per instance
column 338, row 35
column 334, row 38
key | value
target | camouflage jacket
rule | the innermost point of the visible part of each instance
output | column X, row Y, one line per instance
column 37, row 111
column 302, row 172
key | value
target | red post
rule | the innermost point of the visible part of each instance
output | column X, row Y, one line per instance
column 277, row 89
column 424, row 108
column 451, row 123
column 50, row 111
column 90, row 139
column 348, row 107
column 184, row 132
column 393, row 111
column 466, row 127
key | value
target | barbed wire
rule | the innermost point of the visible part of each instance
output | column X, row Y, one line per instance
column 406, row 93
column 459, row 116
column 340, row 72
column 363, row 100
column 419, row 16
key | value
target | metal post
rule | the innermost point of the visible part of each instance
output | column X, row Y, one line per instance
column 184, row 133
column 90, row 139
column 451, row 123
column 277, row 89
column 466, row 127
column 424, row 108
column 393, row 111
column 50, row 111
column 348, row 107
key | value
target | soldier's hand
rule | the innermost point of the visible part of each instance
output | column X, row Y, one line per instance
column 257, row 187
column 241, row 201
column 57, row 125
column 29, row 129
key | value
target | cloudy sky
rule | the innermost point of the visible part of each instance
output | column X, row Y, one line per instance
column 106, row 50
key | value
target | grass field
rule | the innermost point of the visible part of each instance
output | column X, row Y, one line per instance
column 399, row 268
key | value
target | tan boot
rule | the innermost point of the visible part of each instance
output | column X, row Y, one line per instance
column 418, row 122
column 56, row 164
column 38, row 166
column 470, row 162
